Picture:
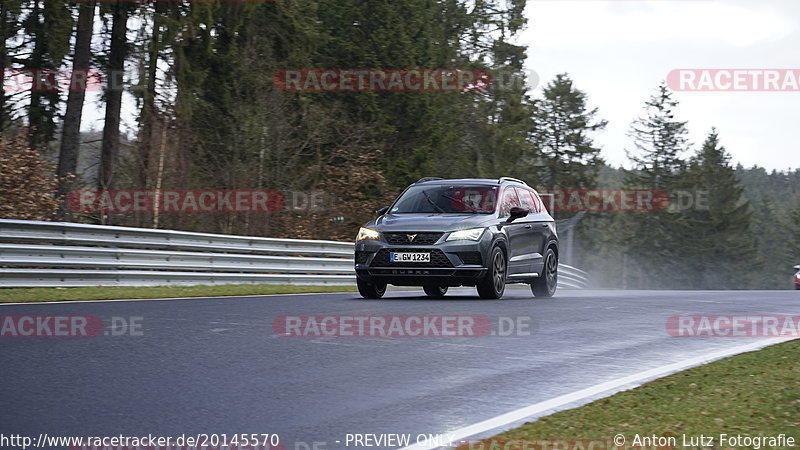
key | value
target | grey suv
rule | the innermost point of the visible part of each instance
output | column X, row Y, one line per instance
column 469, row 232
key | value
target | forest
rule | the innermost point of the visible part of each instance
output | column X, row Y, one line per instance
column 189, row 100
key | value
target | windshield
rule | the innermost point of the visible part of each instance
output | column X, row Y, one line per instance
column 447, row 199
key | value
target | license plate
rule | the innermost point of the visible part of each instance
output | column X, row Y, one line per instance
column 410, row 257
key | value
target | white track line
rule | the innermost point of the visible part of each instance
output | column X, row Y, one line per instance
column 583, row 394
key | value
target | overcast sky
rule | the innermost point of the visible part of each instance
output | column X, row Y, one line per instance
column 618, row 51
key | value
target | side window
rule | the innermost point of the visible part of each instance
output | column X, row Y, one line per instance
column 541, row 207
column 509, row 200
column 537, row 202
column 525, row 200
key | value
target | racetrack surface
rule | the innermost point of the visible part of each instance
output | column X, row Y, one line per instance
column 216, row 366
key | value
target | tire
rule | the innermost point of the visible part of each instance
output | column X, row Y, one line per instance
column 545, row 286
column 493, row 283
column 370, row 290
column 435, row 291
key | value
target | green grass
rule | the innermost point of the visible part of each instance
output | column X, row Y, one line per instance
column 755, row 394
column 109, row 293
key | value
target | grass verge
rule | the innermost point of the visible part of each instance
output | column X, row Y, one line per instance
column 109, row 293
column 752, row 394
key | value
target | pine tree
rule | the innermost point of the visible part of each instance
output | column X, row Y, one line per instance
column 660, row 143
column 494, row 137
column 718, row 246
column 9, row 26
column 48, row 25
column 495, row 140
column 771, row 243
column 562, row 132
column 652, row 238
column 793, row 235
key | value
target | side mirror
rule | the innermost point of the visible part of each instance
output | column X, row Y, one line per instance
column 381, row 211
column 517, row 213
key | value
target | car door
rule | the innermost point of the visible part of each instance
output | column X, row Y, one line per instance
column 542, row 227
column 530, row 244
column 515, row 231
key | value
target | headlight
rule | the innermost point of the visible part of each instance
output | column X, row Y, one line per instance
column 366, row 233
column 473, row 234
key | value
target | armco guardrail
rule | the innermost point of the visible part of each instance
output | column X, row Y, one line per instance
column 57, row 254
column 572, row 277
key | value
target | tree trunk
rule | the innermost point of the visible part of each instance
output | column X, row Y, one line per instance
column 149, row 114
column 70, row 140
column 116, row 66
column 35, row 62
column 3, row 22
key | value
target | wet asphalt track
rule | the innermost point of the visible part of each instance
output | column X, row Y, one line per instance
column 216, row 366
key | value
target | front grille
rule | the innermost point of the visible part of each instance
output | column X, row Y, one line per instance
column 470, row 257
column 418, row 239
column 438, row 258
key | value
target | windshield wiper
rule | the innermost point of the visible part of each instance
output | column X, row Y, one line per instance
column 468, row 207
column 428, row 198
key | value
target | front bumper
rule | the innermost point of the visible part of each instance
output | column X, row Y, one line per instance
column 453, row 263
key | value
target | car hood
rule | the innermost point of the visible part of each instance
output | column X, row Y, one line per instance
column 429, row 222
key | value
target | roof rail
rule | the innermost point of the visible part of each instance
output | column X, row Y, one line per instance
column 513, row 180
column 422, row 180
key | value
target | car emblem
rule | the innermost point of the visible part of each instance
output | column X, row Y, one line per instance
column 411, row 237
